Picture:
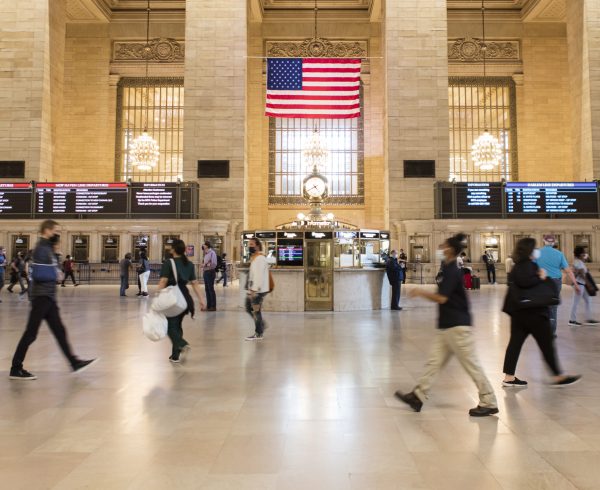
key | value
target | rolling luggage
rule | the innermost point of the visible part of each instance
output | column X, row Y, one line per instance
column 468, row 280
column 475, row 282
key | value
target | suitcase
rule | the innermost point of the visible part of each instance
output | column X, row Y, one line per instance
column 468, row 280
column 475, row 282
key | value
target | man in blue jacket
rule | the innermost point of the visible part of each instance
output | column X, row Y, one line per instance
column 394, row 273
column 43, row 306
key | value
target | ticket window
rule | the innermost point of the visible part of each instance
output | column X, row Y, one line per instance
column 419, row 249
column 167, row 242
column 584, row 241
column 384, row 248
column 491, row 244
column 139, row 244
column 20, row 243
column 216, row 242
column 516, row 239
column 80, row 249
column 370, row 251
column 346, row 251
column 110, row 249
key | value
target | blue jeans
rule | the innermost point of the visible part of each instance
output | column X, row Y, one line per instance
column 554, row 309
column 209, row 287
column 254, row 309
column 124, row 284
column 223, row 277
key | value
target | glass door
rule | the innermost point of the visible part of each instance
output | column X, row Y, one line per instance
column 318, row 276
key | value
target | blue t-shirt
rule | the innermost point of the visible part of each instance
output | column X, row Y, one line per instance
column 553, row 261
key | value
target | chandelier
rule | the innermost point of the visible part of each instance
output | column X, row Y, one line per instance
column 315, row 155
column 486, row 150
column 144, row 151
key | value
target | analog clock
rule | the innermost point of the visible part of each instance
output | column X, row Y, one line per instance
column 315, row 187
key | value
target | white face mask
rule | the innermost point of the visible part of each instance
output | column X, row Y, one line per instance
column 439, row 256
column 536, row 254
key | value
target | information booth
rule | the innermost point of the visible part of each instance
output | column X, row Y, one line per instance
column 80, row 249
column 319, row 269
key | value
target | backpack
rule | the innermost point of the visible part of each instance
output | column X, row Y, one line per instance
column 220, row 263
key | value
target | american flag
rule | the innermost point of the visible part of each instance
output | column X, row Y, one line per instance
column 326, row 88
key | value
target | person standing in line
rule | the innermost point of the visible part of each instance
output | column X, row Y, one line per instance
column 394, row 275
column 554, row 262
column 454, row 335
column 222, row 266
column 3, row 262
column 490, row 265
column 186, row 274
column 580, row 271
column 144, row 273
column 258, row 287
column 209, row 274
column 125, row 266
column 68, row 271
column 526, row 274
column 403, row 261
column 44, row 306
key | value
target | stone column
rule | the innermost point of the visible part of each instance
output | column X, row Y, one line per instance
column 416, row 57
column 215, row 101
column 31, row 74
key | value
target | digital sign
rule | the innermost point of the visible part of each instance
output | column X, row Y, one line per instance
column 478, row 199
column 75, row 200
column 562, row 199
column 15, row 200
column 290, row 253
column 150, row 200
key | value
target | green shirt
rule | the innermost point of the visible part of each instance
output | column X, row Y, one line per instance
column 185, row 272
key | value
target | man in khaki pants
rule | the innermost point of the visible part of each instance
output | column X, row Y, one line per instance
column 454, row 335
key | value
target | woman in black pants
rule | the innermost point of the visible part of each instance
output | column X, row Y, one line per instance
column 535, row 321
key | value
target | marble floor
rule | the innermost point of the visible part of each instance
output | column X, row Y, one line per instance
column 309, row 408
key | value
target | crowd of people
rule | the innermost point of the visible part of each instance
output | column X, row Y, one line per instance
column 534, row 285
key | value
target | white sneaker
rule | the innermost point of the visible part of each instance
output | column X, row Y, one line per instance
column 254, row 337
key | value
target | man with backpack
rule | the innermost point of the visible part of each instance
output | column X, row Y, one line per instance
column 258, row 286
column 68, row 270
column 222, row 267
column 17, row 273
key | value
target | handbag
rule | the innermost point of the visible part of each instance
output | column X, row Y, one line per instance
column 590, row 284
column 154, row 325
column 546, row 293
column 44, row 272
column 170, row 301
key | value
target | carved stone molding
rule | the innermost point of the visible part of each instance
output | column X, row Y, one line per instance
column 317, row 48
column 468, row 50
column 162, row 50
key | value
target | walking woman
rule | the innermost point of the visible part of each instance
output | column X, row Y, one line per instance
column 535, row 321
column 580, row 271
column 186, row 274
column 144, row 273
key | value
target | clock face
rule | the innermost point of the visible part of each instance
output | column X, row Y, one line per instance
column 315, row 187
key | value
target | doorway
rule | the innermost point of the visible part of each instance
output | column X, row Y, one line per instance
column 318, row 276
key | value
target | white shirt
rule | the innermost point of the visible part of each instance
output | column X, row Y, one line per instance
column 258, row 277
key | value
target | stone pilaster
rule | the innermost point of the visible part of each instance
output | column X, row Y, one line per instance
column 417, row 101
column 215, row 101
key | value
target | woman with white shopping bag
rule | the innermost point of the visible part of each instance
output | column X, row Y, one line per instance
column 179, row 272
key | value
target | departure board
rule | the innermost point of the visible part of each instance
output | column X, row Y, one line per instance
column 15, row 200
column 543, row 199
column 81, row 200
column 479, row 199
column 290, row 253
column 154, row 200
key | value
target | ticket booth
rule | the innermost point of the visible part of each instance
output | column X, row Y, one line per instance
column 140, row 244
column 80, row 248
column 110, row 249
column 216, row 241
column 318, row 275
column 585, row 241
column 20, row 243
column 491, row 244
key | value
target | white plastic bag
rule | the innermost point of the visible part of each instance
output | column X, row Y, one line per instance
column 170, row 301
column 154, row 325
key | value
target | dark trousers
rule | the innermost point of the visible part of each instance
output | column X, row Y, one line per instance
column 254, row 309
column 491, row 271
column 43, row 308
column 554, row 309
column 1, row 278
column 209, row 287
column 175, row 332
column 124, row 284
column 396, row 289
column 223, row 277
column 14, row 279
column 71, row 275
column 521, row 326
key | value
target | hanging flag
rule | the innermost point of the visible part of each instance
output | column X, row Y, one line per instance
column 326, row 88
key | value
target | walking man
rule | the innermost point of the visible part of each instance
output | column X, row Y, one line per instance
column 258, row 287
column 222, row 266
column 2, row 268
column 125, row 266
column 68, row 271
column 394, row 275
column 403, row 260
column 554, row 262
column 209, row 274
column 43, row 305
column 17, row 271
column 454, row 335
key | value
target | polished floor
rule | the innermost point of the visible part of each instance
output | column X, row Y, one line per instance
column 309, row 408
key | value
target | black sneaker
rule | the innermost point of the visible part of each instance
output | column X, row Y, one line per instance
column 21, row 374
column 515, row 383
column 574, row 323
column 479, row 411
column 175, row 359
column 410, row 399
column 144, row 294
column 592, row 322
column 568, row 381
column 81, row 365
column 63, row 286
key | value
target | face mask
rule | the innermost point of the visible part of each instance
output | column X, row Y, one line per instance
column 537, row 254
column 252, row 250
column 439, row 255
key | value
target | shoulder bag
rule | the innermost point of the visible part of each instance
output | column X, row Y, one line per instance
column 155, row 325
column 546, row 293
column 44, row 272
column 170, row 301
column 590, row 284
